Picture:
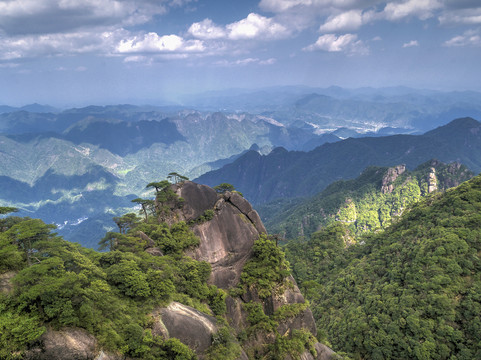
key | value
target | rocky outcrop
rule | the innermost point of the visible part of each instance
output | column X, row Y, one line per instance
column 187, row 324
column 432, row 180
column 226, row 240
column 68, row 343
column 391, row 176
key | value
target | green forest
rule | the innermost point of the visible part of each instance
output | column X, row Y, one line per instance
column 113, row 294
column 412, row 291
column 366, row 203
column 409, row 290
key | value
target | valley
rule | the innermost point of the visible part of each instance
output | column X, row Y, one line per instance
column 89, row 163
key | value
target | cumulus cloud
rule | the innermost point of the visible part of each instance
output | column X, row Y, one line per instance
column 423, row 9
column 411, row 44
column 244, row 62
column 153, row 43
column 287, row 5
column 347, row 43
column 207, row 30
column 469, row 38
column 54, row 16
column 346, row 21
column 256, row 26
column 19, row 47
column 461, row 17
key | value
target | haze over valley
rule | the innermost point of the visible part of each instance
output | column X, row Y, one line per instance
column 237, row 180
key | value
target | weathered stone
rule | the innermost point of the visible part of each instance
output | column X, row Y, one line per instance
column 197, row 199
column 226, row 240
column 154, row 251
column 143, row 236
column 391, row 175
column 189, row 325
column 68, row 344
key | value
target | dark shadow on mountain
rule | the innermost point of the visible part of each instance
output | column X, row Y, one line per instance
column 121, row 137
column 283, row 174
column 50, row 185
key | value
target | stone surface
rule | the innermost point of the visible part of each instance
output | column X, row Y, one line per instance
column 226, row 240
column 391, row 175
column 68, row 344
column 189, row 325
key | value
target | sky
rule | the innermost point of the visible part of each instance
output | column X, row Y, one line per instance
column 78, row 52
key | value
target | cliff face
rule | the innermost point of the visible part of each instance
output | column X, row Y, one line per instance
column 226, row 242
column 253, row 322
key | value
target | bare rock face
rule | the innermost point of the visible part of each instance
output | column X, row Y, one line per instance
column 226, row 240
column 190, row 326
column 68, row 344
column 391, row 175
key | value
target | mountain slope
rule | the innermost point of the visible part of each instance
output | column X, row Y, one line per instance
column 409, row 292
column 197, row 278
column 364, row 204
column 283, row 174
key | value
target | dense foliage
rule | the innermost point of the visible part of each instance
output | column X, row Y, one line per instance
column 410, row 292
column 59, row 284
column 366, row 203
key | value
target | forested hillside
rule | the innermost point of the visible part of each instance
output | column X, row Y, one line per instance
column 364, row 204
column 290, row 174
column 411, row 291
column 194, row 277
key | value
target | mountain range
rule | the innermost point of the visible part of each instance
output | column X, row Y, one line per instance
column 79, row 167
column 289, row 174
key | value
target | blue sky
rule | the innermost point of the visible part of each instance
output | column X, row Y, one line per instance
column 77, row 52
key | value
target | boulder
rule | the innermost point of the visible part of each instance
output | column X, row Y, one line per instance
column 187, row 324
column 68, row 344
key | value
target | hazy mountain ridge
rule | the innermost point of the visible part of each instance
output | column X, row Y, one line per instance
column 365, row 204
column 129, row 154
column 284, row 174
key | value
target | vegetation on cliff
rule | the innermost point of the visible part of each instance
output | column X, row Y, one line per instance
column 365, row 204
column 113, row 295
column 409, row 292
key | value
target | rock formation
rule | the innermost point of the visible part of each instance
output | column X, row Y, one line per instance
column 391, row 175
column 226, row 242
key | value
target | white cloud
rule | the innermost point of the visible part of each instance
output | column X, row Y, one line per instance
column 346, row 21
column 207, row 30
column 55, row 16
column 282, row 5
column 411, row 44
column 244, row 62
column 347, row 43
column 469, row 38
column 461, row 17
column 153, row 43
column 256, row 26
column 423, row 9
column 29, row 46
column 278, row 6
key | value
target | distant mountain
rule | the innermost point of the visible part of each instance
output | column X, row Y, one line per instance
column 284, row 174
column 361, row 110
column 364, row 204
column 69, row 166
